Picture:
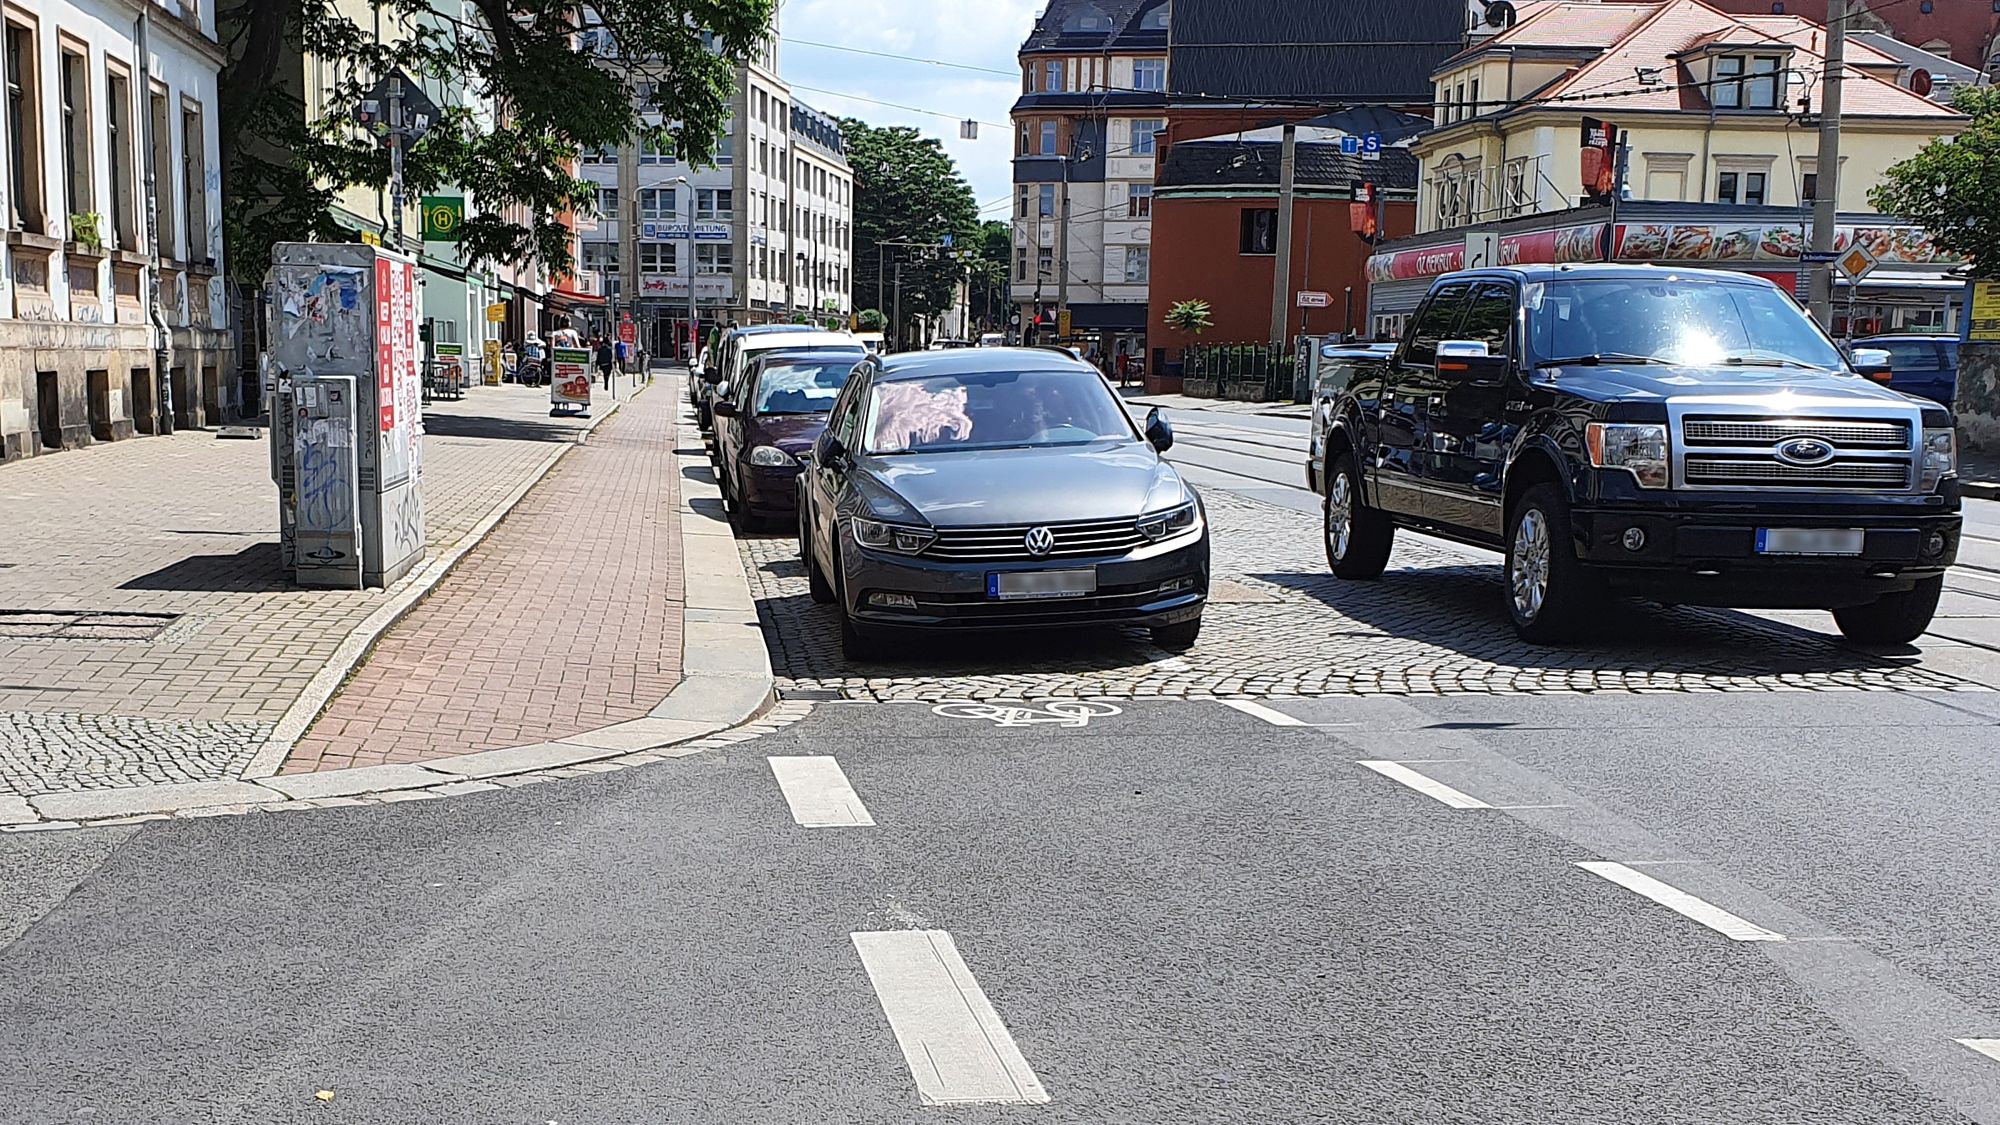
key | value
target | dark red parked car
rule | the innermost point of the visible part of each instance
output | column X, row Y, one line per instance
column 766, row 423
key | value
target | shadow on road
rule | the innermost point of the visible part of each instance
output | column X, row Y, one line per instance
column 499, row 429
column 1460, row 608
column 254, row 569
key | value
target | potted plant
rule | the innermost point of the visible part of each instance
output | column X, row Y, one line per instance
column 1194, row 317
column 86, row 230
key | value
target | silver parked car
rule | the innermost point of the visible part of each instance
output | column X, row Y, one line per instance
column 997, row 487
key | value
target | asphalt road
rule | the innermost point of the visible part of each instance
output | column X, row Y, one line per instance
column 1177, row 913
column 1558, row 909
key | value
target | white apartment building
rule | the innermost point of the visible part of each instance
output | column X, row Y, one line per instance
column 89, row 117
column 772, row 221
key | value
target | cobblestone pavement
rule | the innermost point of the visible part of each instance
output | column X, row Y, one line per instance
column 566, row 618
column 1279, row 624
column 145, row 632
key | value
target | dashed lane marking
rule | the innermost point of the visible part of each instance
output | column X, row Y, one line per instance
column 1988, row 1047
column 957, row 1049
column 1682, row 903
column 819, row 794
column 1257, row 710
column 1428, row 786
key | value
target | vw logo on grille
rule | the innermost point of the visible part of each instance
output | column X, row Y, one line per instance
column 1804, row 451
column 1039, row 541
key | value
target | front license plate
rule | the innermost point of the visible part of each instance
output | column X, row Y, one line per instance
column 1022, row 585
column 1803, row 541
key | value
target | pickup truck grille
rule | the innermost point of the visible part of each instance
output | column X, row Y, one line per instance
column 1893, row 435
column 1722, row 450
column 1749, row 472
column 1009, row 544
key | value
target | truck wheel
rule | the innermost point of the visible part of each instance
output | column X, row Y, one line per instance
column 1892, row 619
column 1358, row 537
column 1550, row 594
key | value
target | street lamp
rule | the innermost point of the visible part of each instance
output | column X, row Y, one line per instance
column 694, row 336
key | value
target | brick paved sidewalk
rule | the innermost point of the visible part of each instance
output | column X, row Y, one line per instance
column 566, row 618
column 146, row 634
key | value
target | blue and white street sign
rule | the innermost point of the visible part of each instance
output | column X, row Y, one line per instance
column 1350, row 145
column 1371, row 147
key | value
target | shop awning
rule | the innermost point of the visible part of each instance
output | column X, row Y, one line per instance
column 1107, row 316
column 571, row 299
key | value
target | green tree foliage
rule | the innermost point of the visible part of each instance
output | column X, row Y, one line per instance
column 870, row 320
column 284, row 164
column 1952, row 186
column 1193, row 317
column 906, row 189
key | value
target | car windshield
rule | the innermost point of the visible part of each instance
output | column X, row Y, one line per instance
column 801, row 386
column 1673, row 320
column 993, row 410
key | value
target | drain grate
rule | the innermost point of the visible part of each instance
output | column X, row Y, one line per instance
column 83, row 625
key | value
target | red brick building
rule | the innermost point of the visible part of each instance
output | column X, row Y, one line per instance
column 1215, row 209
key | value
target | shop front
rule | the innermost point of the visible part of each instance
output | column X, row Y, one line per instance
column 1910, row 286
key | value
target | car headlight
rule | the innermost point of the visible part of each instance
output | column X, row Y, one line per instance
column 1638, row 448
column 896, row 537
column 1940, row 456
column 771, row 457
column 1173, row 521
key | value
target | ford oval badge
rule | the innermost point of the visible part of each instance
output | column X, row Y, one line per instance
column 1804, row 451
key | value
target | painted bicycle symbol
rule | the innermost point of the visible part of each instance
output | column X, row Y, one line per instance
column 1061, row 712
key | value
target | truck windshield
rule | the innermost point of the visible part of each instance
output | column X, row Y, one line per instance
column 1673, row 320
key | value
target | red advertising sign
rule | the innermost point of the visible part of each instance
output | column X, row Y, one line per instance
column 385, row 341
column 1600, row 158
column 627, row 331
column 1406, row 265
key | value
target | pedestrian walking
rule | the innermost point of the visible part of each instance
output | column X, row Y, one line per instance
column 605, row 357
column 624, row 355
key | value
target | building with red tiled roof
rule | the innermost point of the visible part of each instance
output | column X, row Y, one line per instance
column 1965, row 31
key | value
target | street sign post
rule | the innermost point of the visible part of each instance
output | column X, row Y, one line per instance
column 443, row 215
column 1350, row 145
column 496, row 313
column 1371, row 147
column 1313, row 299
column 1856, row 263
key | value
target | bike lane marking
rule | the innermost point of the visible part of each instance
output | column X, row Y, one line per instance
column 957, row 1048
column 1680, row 902
column 1257, row 710
column 818, row 791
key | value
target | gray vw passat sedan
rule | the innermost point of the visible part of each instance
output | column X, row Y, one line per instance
column 997, row 488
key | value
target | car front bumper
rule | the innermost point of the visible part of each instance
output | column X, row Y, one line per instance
column 1160, row 584
column 1707, row 554
column 769, row 490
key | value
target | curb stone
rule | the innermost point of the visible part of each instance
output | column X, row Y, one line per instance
column 725, row 696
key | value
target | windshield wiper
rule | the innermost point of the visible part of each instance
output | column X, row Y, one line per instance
column 1599, row 358
column 1768, row 361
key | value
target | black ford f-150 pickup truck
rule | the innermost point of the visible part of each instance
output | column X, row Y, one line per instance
column 1689, row 437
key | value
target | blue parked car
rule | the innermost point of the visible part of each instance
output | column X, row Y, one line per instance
column 1925, row 366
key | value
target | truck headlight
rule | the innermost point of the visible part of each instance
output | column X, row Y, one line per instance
column 893, row 537
column 1165, row 525
column 1638, row 448
column 771, row 457
column 1940, row 456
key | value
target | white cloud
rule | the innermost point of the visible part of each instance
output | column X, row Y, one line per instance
column 983, row 34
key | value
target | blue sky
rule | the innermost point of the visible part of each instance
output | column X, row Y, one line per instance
column 982, row 34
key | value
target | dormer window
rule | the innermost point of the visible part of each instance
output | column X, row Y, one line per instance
column 1745, row 82
column 1155, row 20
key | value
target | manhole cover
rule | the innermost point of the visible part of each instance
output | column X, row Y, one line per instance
column 83, row 625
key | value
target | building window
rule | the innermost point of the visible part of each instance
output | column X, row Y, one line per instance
column 601, row 256
column 193, row 164
column 1155, row 20
column 1472, row 104
column 1139, row 201
column 161, row 167
column 718, row 204
column 1809, row 187
column 1741, row 187
column 607, row 202
column 1048, row 139
column 1143, row 132
column 658, row 203
column 1260, row 230
column 1149, row 75
column 1045, row 263
column 659, row 257
column 1020, row 263
column 1052, row 76
column 1021, row 202
column 1138, row 264
column 1745, row 82
column 1047, row 201
column 714, row 258
column 118, row 135
column 77, row 179
column 23, row 129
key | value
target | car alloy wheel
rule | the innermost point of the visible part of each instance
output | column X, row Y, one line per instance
column 1339, row 515
column 1528, row 566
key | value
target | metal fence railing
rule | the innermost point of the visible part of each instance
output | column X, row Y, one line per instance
column 1241, row 372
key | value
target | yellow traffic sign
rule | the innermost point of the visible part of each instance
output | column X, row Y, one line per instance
column 1856, row 262
column 496, row 313
column 1062, row 323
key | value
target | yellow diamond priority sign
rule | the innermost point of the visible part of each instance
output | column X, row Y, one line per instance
column 1856, row 262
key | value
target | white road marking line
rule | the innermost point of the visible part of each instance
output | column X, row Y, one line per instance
column 819, row 793
column 1429, row 787
column 1988, row 1047
column 1969, row 572
column 1682, row 903
column 1258, row 711
column 958, row 1050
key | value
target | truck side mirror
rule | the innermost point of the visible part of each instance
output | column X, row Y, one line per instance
column 1468, row 360
column 1873, row 363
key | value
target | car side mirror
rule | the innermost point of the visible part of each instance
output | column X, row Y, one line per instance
column 832, row 453
column 1468, row 361
column 1873, row 363
column 724, row 409
column 1159, row 431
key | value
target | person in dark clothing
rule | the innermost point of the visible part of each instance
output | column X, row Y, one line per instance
column 605, row 357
